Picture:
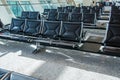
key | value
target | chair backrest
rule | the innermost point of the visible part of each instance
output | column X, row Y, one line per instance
column 89, row 18
column 115, row 19
column 60, row 9
column 24, row 14
column 76, row 17
column 86, row 9
column 53, row 10
column 93, row 9
column 32, row 27
column 76, row 10
column 68, row 9
column 112, row 37
column 17, row 25
column 51, row 29
column 46, row 11
column 34, row 15
column 52, row 16
column 30, row 15
column 62, row 16
column 71, row 31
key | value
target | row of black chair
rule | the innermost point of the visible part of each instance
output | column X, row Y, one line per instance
column 75, row 10
column 35, row 15
column 83, row 9
column 9, row 75
column 40, row 31
column 72, row 17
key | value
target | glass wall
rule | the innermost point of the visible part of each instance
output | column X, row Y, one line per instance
column 26, row 5
column 15, row 7
column 18, row 6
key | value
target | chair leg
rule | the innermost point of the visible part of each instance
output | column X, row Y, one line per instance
column 39, row 48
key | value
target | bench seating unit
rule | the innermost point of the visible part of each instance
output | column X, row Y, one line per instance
column 47, row 32
column 35, row 15
column 61, row 34
column 22, row 30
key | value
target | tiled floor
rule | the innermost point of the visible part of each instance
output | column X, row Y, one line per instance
column 57, row 63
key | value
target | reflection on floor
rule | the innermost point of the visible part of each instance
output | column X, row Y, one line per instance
column 58, row 63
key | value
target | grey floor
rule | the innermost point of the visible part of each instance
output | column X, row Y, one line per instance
column 57, row 63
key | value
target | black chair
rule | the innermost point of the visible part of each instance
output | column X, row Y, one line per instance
column 32, row 27
column 52, row 16
column 30, row 15
column 93, row 9
column 24, row 15
column 115, row 19
column 46, row 11
column 89, row 18
column 68, row 9
column 53, row 10
column 76, row 17
column 17, row 25
column 71, row 31
column 76, row 10
column 60, row 9
column 112, row 35
column 63, row 16
column 34, row 15
column 86, row 9
column 51, row 29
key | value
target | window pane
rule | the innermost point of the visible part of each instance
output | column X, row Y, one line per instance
column 27, row 6
column 15, row 7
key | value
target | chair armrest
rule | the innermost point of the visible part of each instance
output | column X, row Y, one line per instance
column 7, row 26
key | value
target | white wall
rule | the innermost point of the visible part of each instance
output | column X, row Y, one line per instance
column 5, row 15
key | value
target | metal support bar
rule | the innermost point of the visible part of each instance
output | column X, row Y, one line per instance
column 39, row 48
